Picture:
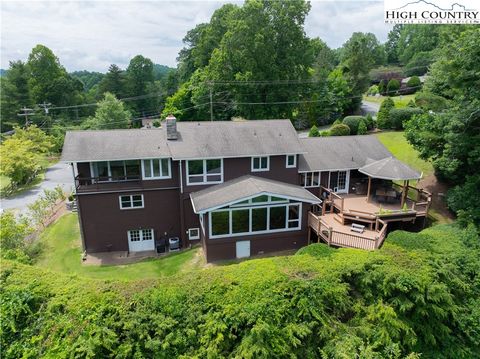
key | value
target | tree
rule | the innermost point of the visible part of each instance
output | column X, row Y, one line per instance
column 415, row 39
column 391, row 46
column 358, row 56
column 139, row 78
column 383, row 116
column 382, row 88
column 114, row 82
column 19, row 162
column 451, row 139
column 110, row 114
column 41, row 143
column 14, row 93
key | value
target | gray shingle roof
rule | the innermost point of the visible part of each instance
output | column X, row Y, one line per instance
column 245, row 187
column 234, row 139
column 114, row 145
column 339, row 152
column 195, row 140
column 389, row 168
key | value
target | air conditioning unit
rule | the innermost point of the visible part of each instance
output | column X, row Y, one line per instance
column 174, row 244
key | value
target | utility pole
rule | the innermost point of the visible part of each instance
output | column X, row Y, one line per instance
column 45, row 107
column 26, row 112
column 211, row 100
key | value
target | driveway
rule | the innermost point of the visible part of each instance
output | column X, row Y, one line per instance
column 369, row 108
column 58, row 174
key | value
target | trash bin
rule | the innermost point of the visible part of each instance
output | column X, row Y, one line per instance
column 161, row 245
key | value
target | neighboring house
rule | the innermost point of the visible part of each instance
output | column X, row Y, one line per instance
column 238, row 188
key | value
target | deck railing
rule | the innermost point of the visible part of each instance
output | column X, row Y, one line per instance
column 97, row 183
column 342, row 239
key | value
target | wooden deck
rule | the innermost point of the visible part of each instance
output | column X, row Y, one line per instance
column 333, row 232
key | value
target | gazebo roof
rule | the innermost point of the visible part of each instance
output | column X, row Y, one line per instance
column 389, row 168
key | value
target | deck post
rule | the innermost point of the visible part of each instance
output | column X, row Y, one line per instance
column 404, row 193
column 368, row 189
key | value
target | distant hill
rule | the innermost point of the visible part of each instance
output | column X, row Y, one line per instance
column 161, row 71
column 2, row 72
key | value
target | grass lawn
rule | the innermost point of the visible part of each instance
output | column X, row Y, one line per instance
column 400, row 101
column 396, row 143
column 61, row 252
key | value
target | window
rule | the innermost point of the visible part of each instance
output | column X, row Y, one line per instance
column 291, row 161
column 204, row 171
column 311, row 179
column 105, row 171
column 138, row 235
column 193, row 234
column 260, row 164
column 255, row 216
column 131, row 201
column 156, row 168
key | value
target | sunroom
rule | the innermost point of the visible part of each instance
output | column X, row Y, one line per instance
column 250, row 206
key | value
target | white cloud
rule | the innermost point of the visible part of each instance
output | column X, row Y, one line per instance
column 92, row 35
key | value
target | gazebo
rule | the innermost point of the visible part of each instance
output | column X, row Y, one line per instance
column 392, row 169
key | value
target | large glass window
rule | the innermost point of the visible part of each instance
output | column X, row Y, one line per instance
column 220, row 222
column 278, row 217
column 156, row 168
column 257, row 215
column 260, row 163
column 105, row 171
column 240, row 221
column 204, row 171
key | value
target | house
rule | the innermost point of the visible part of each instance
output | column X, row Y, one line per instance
column 238, row 188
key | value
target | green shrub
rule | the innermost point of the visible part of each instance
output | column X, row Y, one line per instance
column 429, row 101
column 337, row 122
column 373, row 90
column 383, row 116
column 313, row 132
column 414, row 81
column 339, row 130
column 411, row 103
column 398, row 116
column 325, row 133
column 362, row 128
column 353, row 122
column 369, row 122
column 392, row 87
column 382, row 88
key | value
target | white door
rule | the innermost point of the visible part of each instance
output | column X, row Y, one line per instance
column 243, row 249
column 342, row 183
column 141, row 240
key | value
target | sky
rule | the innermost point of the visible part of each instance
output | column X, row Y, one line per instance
column 91, row 35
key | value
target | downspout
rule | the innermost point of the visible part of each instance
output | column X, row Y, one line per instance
column 80, row 223
column 182, row 211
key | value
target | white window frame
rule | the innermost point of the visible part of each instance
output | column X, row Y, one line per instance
column 294, row 161
column 311, row 185
column 204, row 175
column 253, row 233
column 131, row 201
column 193, row 237
column 144, row 177
column 140, row 233
column 260, row 163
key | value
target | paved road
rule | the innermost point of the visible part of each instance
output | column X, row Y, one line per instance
column 59, row 174
column 370, row 108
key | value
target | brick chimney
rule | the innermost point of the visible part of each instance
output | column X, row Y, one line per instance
column 171, row 127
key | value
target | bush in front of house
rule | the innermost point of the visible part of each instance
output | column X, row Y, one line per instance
column 362, row 128
column 415, row 82
column 392, row 87
column 398, row 116
column 373, row 90
column 313, row 132
column 353, row 122
column 383, row 116
column 339, row 130
column 369, row 122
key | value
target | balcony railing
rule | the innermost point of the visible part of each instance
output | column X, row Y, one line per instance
column 106, row 182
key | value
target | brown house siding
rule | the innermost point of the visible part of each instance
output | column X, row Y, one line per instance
column 105, row 225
